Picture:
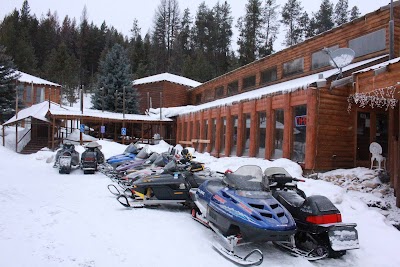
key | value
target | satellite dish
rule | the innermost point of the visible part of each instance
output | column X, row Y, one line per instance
column 340, row 58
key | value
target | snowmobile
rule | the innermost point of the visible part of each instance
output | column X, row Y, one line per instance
column 91, row 158
column 140, row 159
column 170, row 187
column 66, row 158
column 129, row 154
column 240, row 210
column 320, row 231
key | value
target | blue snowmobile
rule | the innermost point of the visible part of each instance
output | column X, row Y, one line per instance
column 129, row 154
column 241, row 209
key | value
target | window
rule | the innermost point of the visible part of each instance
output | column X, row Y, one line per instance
column 208, row 95
column 213, row 134
column 299, row 133
column 39, row 95
column 249, row 82
column 293, row 67
column 185, row 131
column 219, row 92
column 234, row 119
column 28, row 93
column 278, row 134
column 233, row 88
column 223, row 135
column 321, row 59
column 20, row 89
column 369, row 43
column 262, row 126
column 269, row 75
column 246, row 135
column 198, row 98
column 205, row 133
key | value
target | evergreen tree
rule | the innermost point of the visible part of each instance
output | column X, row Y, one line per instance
column 341, row 14
column 354, row 13
column 291, row 15
column 271, row 27
column 165, row 33
column 49, row 36
column 250, row 32
column 114, row 76
column 324, row 17
column 8, row 75
column 307, row 25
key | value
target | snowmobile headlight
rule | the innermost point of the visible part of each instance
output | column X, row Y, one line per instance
column 252, row 194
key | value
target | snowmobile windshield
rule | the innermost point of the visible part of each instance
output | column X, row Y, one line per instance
column 246, row 185
column 250, row 170
column 142, row 154
column 152, row 157
column 160, row 161
column 132, row 148
column 170, row 167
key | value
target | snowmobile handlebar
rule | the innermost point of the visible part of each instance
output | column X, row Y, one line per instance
column 283, row 179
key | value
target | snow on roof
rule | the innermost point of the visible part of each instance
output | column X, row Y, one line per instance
column 107, row 115
column 40, row 110
column 37, row 111
column 27, row 78
column 283, row 87
column 167, row 77
column 380, row 65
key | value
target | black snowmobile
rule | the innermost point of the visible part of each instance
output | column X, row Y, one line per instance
column 66, row 158
column 91, row 158
column 170, row 187
column 320, row 231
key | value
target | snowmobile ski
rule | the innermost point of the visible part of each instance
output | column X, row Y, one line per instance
column 245, row 261
column 140, row 203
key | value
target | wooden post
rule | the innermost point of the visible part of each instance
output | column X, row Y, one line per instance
column 288, row 127
column 218, row 133
column 253, row 129
column 269, row 122
column 311, row 130
column 228, row 134
column 240, row 131
column 4, row 137
column 202, row 125
column 52, row 133
column 209, row 130
column 16, row 136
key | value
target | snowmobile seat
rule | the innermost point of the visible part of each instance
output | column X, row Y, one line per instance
column 290, row 197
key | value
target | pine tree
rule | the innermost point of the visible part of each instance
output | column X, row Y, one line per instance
column 271, row 27
column 8, row 76
column 291, row 15
column 165, row 33
column 354, row 13
column 114, row 76
column 307, row 25
column 324, row 17
column 341, row 14
column 250, row 34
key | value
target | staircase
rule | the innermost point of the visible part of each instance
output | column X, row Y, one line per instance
column 34, row 146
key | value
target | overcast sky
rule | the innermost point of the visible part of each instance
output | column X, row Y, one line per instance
column 120, row 13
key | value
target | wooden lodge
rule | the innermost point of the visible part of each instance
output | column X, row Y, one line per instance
column 294, row 104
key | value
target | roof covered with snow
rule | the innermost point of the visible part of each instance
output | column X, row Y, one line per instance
column 283, row 87
column 40, row 110
column 37, row 111
column 378, row 66
column 27, row 78
column 167, row 77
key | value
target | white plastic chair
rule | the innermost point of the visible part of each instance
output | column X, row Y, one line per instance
column 376, row 150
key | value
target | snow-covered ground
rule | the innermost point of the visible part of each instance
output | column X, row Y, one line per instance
column 50, row 219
